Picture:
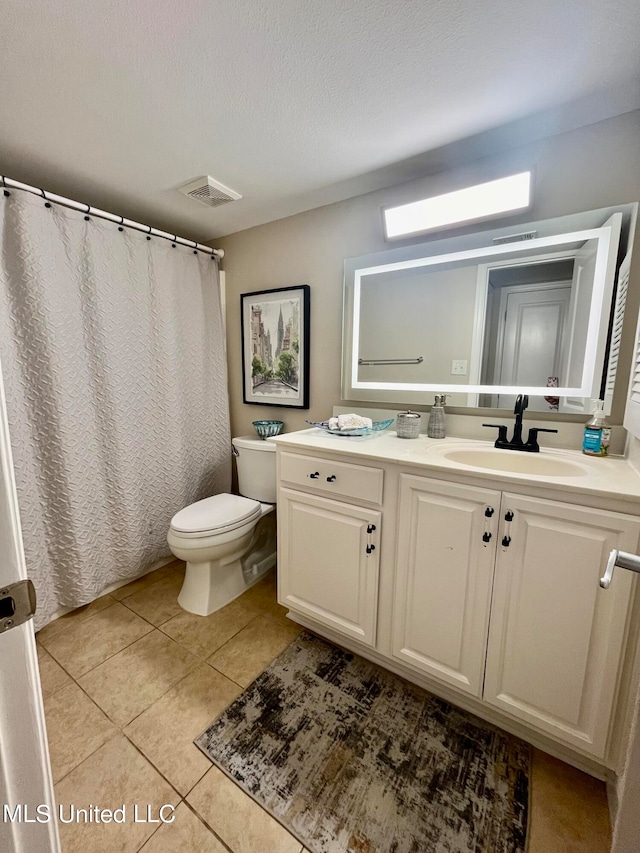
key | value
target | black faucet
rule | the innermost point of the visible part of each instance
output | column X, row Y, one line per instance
column 522, row 401
column 516, row 443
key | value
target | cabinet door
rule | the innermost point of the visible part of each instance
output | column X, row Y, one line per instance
column 446, row 549
column 328, row 562
column 555, row 637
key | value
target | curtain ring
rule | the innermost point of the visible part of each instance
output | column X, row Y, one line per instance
column 148, row 235
column 44, row 196
column 87, row 218
column 6, row 191
column 175, row 237
column 120, row 228
column 195, row 250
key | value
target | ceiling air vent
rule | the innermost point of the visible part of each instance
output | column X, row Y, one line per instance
column 209, row 192
column 515, row 238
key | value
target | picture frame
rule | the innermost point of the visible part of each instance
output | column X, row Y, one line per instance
column 275, row 346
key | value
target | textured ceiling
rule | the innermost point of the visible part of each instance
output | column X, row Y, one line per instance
column 293, row 103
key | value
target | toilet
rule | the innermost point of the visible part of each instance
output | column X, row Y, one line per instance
column 229, row 541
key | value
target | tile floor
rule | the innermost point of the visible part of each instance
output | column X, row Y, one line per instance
column 131, row 679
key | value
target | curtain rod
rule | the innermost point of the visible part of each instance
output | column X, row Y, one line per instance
column 103, row 214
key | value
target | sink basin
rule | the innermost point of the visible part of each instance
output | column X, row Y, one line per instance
column 516, row 462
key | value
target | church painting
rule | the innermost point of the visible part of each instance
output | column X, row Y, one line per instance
column 275, row 341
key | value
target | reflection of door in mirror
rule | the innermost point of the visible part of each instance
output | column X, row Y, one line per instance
column 527, row 329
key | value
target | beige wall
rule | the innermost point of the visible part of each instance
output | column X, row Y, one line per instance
column 430, row 314
column 592, row 167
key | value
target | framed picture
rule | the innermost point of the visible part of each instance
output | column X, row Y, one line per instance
column 275, row 346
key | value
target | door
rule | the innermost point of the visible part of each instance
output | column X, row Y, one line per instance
column 25, row 773
column 532, row 332
column 446, row 549
column 328, row 562
column 555, row 637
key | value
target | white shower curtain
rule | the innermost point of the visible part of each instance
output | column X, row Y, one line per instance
column 112, row 354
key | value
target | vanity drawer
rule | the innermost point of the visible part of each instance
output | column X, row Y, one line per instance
column 337, row 478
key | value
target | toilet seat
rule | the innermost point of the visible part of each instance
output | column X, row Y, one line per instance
column 215, row 515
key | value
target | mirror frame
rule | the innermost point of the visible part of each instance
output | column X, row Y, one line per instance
column 555, row 233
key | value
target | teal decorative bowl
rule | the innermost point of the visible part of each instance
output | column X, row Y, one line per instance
column 266, row 429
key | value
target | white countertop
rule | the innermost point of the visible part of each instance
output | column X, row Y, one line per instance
column 612, row 477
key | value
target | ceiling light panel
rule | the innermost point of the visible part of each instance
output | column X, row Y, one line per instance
column 482, row 201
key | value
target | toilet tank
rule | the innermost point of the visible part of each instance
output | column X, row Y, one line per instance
column 256, row 461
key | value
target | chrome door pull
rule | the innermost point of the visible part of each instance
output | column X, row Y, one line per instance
column 622, row 559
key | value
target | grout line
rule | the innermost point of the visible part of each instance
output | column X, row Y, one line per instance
column 87, row 757
column 153, row 834
column 209, row 653
column 157, row 769
column 173, row 686
column 224, row 675
column 67, row 623
column 110, row 656
column 203, row 821
column 71, row 622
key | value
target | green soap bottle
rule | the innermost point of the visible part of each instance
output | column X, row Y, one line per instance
column 597, row 432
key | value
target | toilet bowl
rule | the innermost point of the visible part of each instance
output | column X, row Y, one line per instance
column 228, row 541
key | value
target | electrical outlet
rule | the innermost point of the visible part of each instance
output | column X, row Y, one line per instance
column 458, row 367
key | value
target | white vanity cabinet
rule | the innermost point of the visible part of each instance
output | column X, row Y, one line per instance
column 555, row 636
column 445, row 557
column 486, row 595
column 328, row 549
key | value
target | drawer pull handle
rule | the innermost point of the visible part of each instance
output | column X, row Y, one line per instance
column 506, row 541
column 370, row 528
column 332, row 478
column 315, row 476
column 486, row 537
column 489, row 512
column 370, row 548
column 508, row 515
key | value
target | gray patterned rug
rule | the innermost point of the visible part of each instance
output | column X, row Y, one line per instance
column 353, row 759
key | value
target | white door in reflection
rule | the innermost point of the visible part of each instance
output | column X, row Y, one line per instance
column 533, row 321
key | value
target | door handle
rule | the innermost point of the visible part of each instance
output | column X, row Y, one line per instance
column 622, row 559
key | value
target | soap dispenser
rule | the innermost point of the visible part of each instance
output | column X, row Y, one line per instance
column 436, row 427
column 597, row 432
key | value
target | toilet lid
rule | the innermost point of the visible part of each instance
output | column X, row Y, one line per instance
column 215, row 514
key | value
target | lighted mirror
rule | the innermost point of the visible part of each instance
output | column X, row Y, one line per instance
column 482, row 318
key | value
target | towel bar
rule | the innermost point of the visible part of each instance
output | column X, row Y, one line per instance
column 417, row 360
column 622, row 559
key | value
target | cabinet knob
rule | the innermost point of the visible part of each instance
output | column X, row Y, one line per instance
column 489, row 512
column 370, row 528
column 508, row 515
column 486, row 537
column 506, row 541
column 370, row 548
column 332, row 478
column 315, row 476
